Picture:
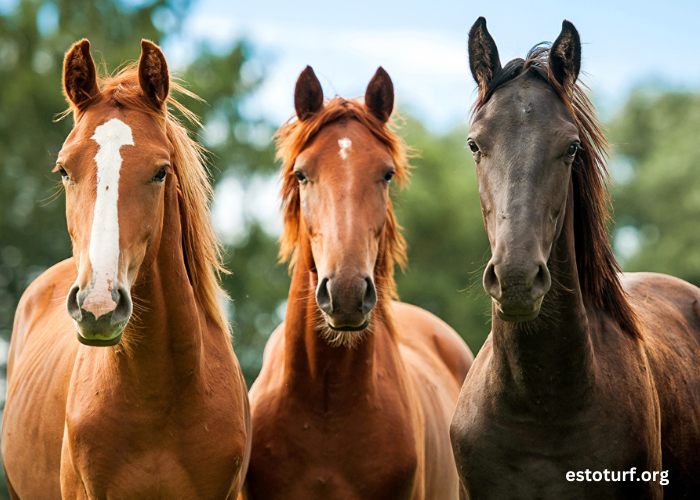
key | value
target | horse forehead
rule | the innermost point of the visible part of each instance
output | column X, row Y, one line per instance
column 113, row 133
column 348, row 142
column 530, row 102
column 111, row 126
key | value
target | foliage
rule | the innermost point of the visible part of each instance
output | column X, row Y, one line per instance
column 258, row 286
column 242, row 149
column 448, row 248
column 239, row 146
column 33, row 38
column 657, row 201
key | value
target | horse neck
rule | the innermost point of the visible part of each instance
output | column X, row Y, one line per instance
column 311, row 364
column 549, row 360
column 167, row 335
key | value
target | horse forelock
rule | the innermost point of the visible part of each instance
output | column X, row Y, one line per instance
column 597, row 267
column 201, row 247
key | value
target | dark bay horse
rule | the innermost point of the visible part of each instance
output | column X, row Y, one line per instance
column 356, row 391
column 149, row 406
column 588, row 386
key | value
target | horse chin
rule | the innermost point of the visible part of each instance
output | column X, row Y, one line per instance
column 106, row 339
column 359, row 328
column 518, row 314
column 344, row 336
column 99, row 342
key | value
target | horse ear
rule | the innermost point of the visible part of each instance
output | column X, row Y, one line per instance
column 308, row 94
column 565, row 55
column 79, row 74
column 154, row 78
column 379, row 96
column 483, row 55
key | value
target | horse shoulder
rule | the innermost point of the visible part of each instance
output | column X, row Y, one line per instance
column 437, row 360
column 270, row 376
column 419, row 330
column 44, row 297
column 265, row 393
column 42, row 354
column 274, row 348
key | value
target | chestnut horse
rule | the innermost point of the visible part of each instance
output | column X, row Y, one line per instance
column 588, row 386
column 149, row 406
column 356, row 391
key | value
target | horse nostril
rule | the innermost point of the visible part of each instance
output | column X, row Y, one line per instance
column 542, row 281
column 124, row 306
column 72, row 303
column 323, row 297
column 370, row 296
column 491, row 283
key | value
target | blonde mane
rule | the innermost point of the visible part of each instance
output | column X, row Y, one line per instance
column 292, row 138
column 201, row 247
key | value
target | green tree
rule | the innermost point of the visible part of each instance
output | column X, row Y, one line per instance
column 33, row 235
column 657, row 201
column 448, row 248
column 242, row 149
column 34, row 36
column 33, row 39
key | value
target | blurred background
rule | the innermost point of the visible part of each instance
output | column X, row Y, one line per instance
column 243, row 58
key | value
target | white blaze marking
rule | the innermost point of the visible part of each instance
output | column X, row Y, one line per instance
column 104, row 239
column 344, row 146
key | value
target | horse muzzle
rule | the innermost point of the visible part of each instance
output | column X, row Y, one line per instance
column 517, row 291
column 100, row 322
column 346, row 304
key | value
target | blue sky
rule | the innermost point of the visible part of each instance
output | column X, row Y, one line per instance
column 423, row 46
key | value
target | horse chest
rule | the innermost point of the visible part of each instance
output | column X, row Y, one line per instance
column 501, row 455
column 359, row 455
column 192, row 448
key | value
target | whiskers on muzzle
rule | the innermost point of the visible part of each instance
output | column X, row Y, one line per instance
column 335, row 338
column 341, row 338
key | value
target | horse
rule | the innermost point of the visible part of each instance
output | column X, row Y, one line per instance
column 588, row 385
column 149, row 401
column 356, row 391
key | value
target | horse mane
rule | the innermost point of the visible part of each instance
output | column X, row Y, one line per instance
column 291, row 139
column 201, row 248
column 597, row 267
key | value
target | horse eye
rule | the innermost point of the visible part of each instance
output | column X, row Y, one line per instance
column 63, row 172
column 472, row 145
column 572, row 150
column 160, row 176
column 300, row 177
column 388, row 176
